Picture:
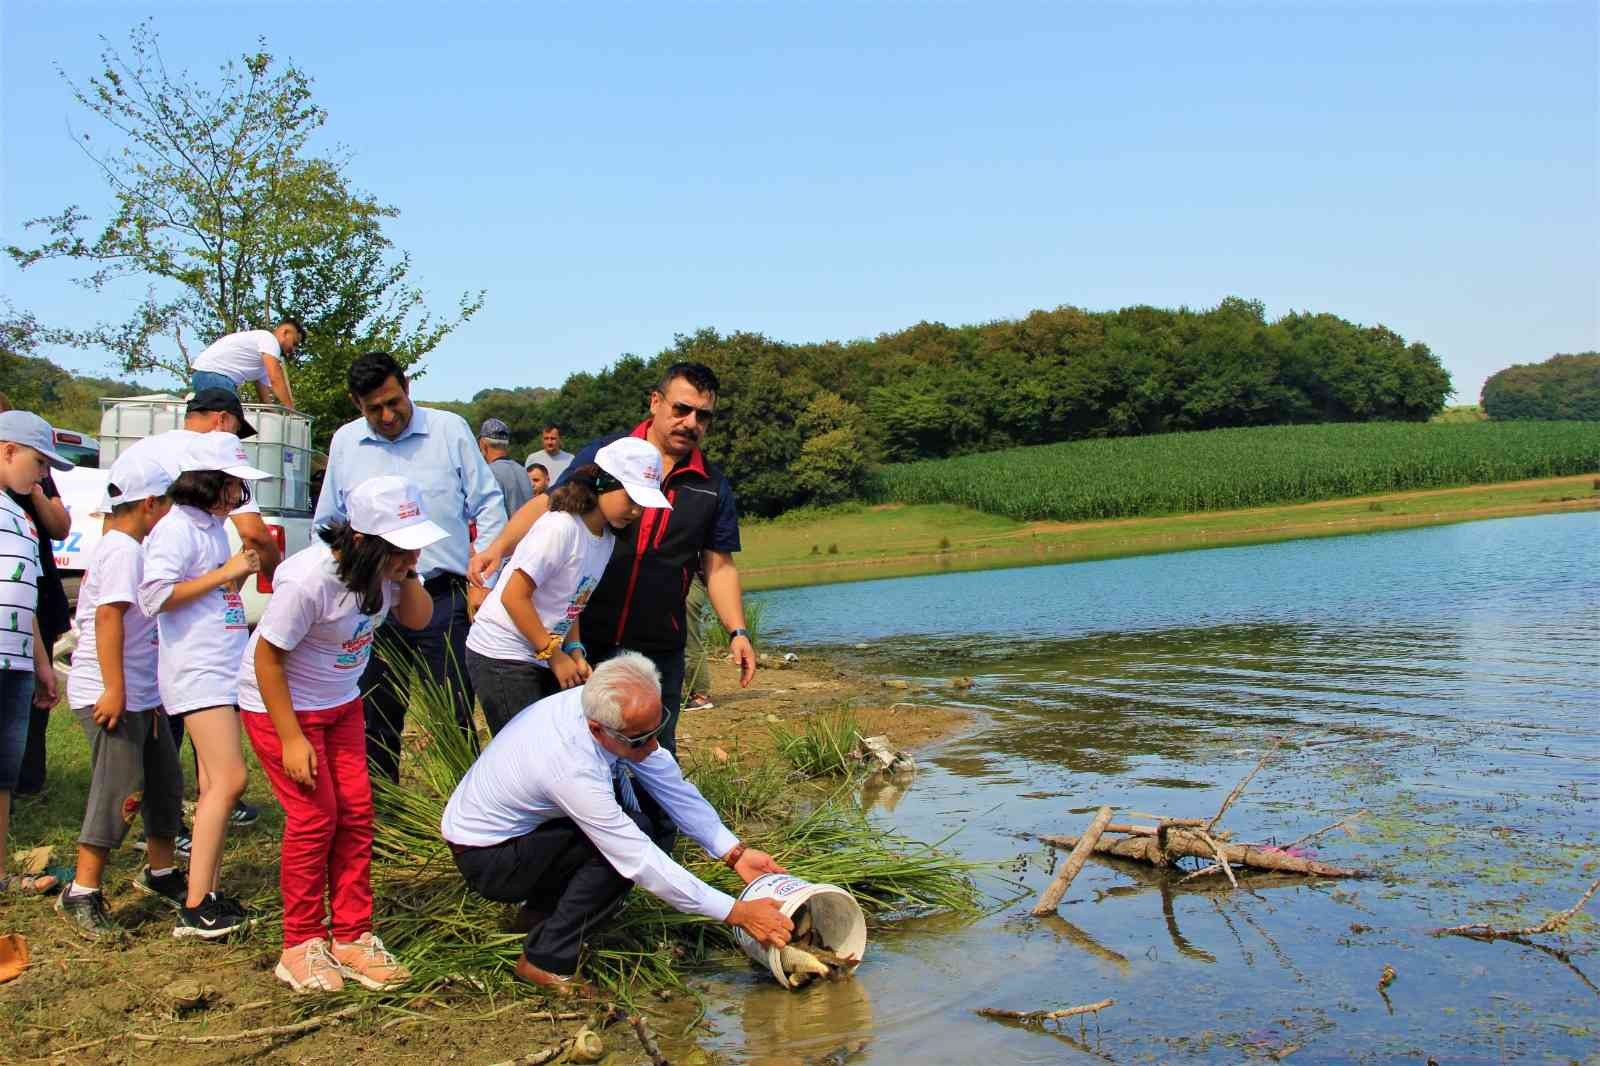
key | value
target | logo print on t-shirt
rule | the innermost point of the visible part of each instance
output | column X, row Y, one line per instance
column 353, row 653
column 233, row 611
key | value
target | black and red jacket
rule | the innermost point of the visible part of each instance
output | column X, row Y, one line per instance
column 639, row 602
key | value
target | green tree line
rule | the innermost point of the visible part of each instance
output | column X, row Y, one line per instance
column 805, row 423
column 1561, row 387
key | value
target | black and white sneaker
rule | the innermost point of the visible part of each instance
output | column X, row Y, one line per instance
column 181, row 842
column 243, row 815
column 87, row 913
column 216, row 917
column 171, row 888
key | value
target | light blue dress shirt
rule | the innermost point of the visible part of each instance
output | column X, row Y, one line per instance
column 439, row 454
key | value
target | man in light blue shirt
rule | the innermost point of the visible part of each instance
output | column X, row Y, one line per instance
column 436, row 451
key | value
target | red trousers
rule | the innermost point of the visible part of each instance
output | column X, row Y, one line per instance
column 327, row 830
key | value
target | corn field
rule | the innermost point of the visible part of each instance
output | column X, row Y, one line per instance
column 1177, row 473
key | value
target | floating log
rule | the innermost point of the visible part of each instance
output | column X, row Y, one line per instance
column 1084, row 846
column 1182, row 843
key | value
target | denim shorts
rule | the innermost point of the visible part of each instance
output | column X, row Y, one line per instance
column 209, row 379
column 16, row 706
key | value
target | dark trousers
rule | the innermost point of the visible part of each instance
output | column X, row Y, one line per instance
column 670, row 665
column 555, row 870
column 30, row 779
column 505, row 687
column 440, row 648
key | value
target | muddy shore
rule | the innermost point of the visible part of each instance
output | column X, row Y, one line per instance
column 82, row 1002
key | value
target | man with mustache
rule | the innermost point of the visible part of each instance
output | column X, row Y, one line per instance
column 639, row 603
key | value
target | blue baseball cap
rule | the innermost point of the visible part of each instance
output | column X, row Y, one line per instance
column 27, row 428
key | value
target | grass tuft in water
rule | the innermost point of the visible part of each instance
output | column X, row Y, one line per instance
column 825, row 745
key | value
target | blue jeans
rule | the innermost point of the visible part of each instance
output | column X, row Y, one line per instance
column 208, row 379
column 16, row 703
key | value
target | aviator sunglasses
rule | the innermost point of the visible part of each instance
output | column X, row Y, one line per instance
column 642, row 739
column 683, row 410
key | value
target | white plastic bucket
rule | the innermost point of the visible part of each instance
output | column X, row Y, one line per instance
column 835, row 915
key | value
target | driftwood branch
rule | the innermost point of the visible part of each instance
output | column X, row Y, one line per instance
column 539, row 1058
column 1221, row 855
column 1039, row 1017
column 1183, row 843
column 641, row 1029
column 1481, row 931
column 1343, row 823
column 1238, row 790
column 267, row 1033
column 1050, row 899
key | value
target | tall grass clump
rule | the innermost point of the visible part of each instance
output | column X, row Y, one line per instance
column 450, row 937
column 825, row 744
column 1179, row 473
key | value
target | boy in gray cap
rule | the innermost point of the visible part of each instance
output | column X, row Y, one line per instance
column 27, row 452
column 494, row 441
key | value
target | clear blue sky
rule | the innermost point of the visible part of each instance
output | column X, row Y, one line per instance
column 615, row 175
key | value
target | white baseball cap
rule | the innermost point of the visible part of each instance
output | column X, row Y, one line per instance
column 635, row 462
column 29, row 430
column 135, row 477
column 390, row 507
column 220, row 451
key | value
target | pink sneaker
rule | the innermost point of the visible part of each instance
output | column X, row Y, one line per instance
column 368, row 962
column 308, row 967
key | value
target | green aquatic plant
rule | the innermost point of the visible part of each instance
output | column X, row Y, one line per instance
column 826, row 744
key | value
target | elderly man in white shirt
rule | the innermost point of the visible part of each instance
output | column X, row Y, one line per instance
column 575, row 802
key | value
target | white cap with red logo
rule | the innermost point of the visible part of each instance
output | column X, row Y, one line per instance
column 635, row 462
column 220, row 451
column 390, row 507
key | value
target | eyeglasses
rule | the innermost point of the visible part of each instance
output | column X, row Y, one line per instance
column 639, row 741
column 684, row 410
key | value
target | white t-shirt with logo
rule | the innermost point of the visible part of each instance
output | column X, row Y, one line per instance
column 114, row 574
column 166, row 450
column 565, row 562
column 318, row 621
column 238, row 356
column 19, row 585
column 202, row 641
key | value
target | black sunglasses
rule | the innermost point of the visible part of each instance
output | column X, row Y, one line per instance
column 683, row 410
column 642, row 739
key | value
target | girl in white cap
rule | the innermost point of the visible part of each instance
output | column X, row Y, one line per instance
column 300, row 691
column 524, row 643
column 191, row 587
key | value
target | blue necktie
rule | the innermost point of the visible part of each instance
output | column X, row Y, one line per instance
column 622, row 782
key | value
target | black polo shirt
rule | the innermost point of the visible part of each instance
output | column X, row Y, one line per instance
column 639, row 603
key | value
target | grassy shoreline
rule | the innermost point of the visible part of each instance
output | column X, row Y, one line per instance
column 858, row 543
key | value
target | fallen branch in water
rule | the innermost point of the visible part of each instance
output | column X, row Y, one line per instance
column 1039, row 1017
column 267, row 1033
column 1184, row 843
column 1343, row 823
column 1051, row 897
column 641, row 1029
column 1238, row 790
column 1483, row 931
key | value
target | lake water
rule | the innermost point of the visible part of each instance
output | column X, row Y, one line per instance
column 1446, row 681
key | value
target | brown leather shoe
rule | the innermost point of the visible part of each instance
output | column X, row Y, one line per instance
column 565, row 986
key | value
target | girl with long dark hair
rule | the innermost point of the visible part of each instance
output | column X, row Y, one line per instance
column 524, row 643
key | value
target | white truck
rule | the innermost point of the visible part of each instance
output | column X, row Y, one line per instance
column 281, row 446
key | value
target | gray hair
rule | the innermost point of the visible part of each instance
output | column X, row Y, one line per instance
column 613, row 681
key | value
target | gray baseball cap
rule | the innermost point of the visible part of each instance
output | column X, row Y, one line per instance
column 495, row 430
column 25, row 427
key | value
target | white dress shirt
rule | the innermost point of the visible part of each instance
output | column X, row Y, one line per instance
column 545, row 764
column 439, row 454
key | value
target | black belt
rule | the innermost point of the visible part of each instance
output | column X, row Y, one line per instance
column 440, row 584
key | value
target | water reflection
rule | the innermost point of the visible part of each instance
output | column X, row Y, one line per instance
column 783, row 1028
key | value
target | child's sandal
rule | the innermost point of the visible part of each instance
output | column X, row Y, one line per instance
column 28, row 884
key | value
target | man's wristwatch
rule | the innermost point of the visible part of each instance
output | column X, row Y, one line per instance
column 412, row 575
column 735, row 855
column 741, row 631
